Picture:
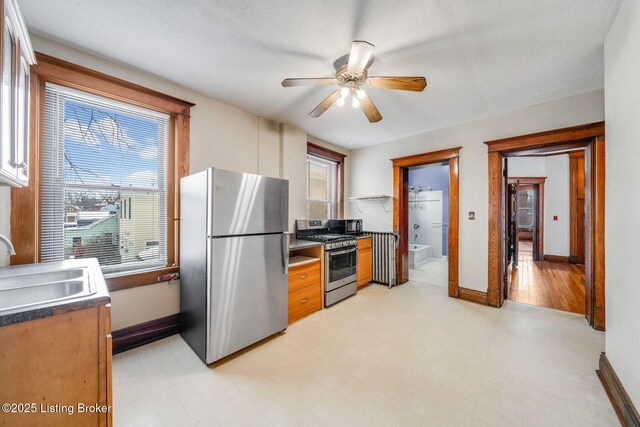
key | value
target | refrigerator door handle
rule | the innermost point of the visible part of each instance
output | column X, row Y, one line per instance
column 284, row 243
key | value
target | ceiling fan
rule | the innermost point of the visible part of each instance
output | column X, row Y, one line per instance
column 352, row 77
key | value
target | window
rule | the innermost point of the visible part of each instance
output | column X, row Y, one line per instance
column 104, row 181
column 324, row 183
column 106, row 184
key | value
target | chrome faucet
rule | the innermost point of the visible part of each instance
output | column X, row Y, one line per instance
column 8, row 244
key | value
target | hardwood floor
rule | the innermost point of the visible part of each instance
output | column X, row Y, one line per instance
column 556, row 285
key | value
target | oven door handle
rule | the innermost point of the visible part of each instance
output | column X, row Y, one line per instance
column 345, row 251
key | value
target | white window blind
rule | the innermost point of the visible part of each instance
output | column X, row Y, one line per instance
column 322, row 189
column 104, row 182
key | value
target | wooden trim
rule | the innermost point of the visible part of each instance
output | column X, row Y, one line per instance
column 496, row 236
column 26, row 202
column 574, row 176
column 594, row 215
column 325, row 153
column 620, row 400
column 144, row 333
column 401, row 167
column 72, row 75
column 542, row 151
column 401, row 222
column 555, row 258
column 454, row 224
column 134, row 280
column 547, row 139
column 426, row 158
column 530, row 180
column 598, row 220
column 472, row 295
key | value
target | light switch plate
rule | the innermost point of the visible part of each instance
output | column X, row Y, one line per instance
column 472, row 215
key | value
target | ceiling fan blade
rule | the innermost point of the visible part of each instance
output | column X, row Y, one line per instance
column 416, row 84
column 359, row 57
column 308, row 82
column 324, row 105
column 370, row 110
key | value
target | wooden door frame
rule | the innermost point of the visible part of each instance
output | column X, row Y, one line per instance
column 401, row 167
column 538, row 182
column 573, row 204
column 592, row 138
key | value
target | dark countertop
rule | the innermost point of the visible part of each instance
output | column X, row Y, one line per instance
column 37, row 311
column 302, row 244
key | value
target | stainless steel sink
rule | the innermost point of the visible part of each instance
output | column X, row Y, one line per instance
column 43, row 284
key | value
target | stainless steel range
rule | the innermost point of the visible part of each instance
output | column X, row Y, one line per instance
column 341, row 256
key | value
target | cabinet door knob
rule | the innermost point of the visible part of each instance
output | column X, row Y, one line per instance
column 303, row 276
column 304, row 300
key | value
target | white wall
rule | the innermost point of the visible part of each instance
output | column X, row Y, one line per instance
column 526, row 167
column 556, row 197
column 371, row 170
column 622, row 68
column 221, row 136
column 557, row 234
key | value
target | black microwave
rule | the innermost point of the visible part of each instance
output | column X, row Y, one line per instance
column 353, row 226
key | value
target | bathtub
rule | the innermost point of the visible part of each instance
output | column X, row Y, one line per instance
column 418, row 254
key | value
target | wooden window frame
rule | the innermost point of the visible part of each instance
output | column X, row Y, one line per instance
column 401, row 167
column 334, row 156
column 26, row 201
column 591, row 137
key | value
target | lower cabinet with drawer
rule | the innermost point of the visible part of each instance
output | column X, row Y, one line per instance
column 365, row 261
column 305, row 288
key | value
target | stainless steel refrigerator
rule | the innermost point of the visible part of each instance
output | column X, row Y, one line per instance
column 234, row 253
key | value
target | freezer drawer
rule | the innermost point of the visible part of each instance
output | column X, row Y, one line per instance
column 248, row 291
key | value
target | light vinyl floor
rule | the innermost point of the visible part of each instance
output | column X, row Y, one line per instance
column 407, row 356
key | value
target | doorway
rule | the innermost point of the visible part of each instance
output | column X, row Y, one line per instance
column 401, row 200
column 537, row 274
column 428, row 225
column 589, row 137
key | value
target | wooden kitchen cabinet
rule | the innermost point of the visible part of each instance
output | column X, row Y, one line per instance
column 17, row 57
column 64, row 360
column 305, row 287
column 365, row 261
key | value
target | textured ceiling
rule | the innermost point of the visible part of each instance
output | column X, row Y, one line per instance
column 479, row 57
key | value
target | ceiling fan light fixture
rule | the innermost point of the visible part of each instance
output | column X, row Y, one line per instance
column 355, row 103
column 360, row 93
column 340, row 101
column 344, row 92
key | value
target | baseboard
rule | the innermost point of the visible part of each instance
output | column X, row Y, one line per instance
column 555, row 258
column 622, row 404
column 573, row 259
column 134, row 336
column 472, row 295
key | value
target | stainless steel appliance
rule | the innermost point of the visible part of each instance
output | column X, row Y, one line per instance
column 234, row 255
column 352, row 226
column 341, row 256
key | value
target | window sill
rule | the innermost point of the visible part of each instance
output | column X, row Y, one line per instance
column 120, row 283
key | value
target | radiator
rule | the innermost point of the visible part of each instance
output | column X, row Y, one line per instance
column 384, row 257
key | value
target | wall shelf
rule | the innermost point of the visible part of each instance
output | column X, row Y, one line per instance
column 378, row 198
